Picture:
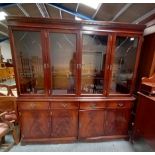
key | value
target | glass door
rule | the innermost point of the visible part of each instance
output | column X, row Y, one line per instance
column 124, row 59
column 94, row 50
column 63, row 63
column 29, row 59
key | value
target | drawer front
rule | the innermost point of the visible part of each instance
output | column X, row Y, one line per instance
column 64, row 105
column 119, row 104
column 33, row 105
column 92, row 105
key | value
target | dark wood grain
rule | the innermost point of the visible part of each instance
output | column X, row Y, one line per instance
column 118, row 104
column 144, row 123
column 33, row 105
column 35, row 124
column 92, row 105
column 46, row 21
column 91, row 123
column 64, row 105
column 64, row 123
column 67, row 118
column 117, row 121
column 146, row 66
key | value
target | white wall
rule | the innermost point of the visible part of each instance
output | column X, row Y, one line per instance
column 5, row 49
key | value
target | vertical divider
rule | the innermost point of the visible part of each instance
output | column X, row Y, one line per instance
column 110, row 60
column 45, row 45
column 14, row 58
column 79, row 62
column 49, row 63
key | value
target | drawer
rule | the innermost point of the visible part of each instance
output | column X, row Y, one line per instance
column 64, row 105
column 92, row 105
column 119, row 104
column 33, row 105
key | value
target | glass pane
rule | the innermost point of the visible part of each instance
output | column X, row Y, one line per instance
column 7, row 77
column 30, row 62
column 123, row 64
column 93, row 63
column 63, row 57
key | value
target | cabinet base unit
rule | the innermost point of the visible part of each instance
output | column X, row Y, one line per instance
column 64, row 122
column 75, row 79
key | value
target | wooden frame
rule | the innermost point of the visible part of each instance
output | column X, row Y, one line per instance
column 47, row 108
column 106, row 60
column 140, row 39
column 48, row 31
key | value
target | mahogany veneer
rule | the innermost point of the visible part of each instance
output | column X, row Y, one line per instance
column 93, row 107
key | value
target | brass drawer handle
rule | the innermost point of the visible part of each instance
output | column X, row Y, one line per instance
column 64, row 105
column 120, row 104
column 32, row 105
column 93, row 106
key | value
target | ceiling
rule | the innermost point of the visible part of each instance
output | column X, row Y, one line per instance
column 135, row 13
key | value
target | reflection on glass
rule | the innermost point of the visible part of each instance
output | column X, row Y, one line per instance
column 30, row 62
column 7, row 78
column 123, row 66
column 63, row 61
column 93, row 63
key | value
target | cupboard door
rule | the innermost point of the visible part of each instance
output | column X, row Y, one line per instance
column 35, row 124
column 63, row 59
column 117, row 121
column 94, row 50
column 64, row 123
column 91, row 123
column 29, row 61
column 124, row 60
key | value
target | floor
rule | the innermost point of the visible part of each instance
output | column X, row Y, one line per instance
column 107, row 146
column 9, row 82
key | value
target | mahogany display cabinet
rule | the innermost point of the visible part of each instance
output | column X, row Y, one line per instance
column 75, row 79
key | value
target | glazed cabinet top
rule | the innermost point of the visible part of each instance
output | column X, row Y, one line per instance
column 74, row 58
